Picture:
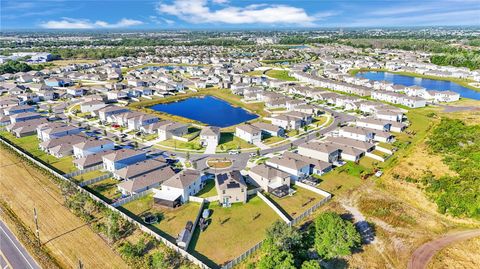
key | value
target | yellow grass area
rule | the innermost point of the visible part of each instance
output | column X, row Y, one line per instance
column 67, row 237
column 219, row 163
column 232, row 230
column 465, row 254
column 171, row 221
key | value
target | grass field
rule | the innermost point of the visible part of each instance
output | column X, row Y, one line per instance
column 280, row 74
column 232, row 230
column 298, row 203
column 192, row 145
column 89, row 175
column 105, row 189
column 30, row 144
column 172, row 221
column 67, row 237
column 228, row 141
column 272, row 139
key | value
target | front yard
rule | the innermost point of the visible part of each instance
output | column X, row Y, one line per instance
column 228, row 141
column 232, row 230
column 177, row 144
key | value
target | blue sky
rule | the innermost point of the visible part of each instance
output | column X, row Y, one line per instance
column 234, row 14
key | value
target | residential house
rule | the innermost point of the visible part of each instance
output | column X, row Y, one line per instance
column 172, row 130
column 210, row 135
column 249, row 133
column 326, row 152
column 92, row 146
column 231, row 188
column 145, row 181
column 178, row 189
column 119, row 159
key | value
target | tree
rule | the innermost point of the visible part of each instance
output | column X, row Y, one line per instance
column 312, row 264
column 275, row 258
column 284, row 237
column 334, row 236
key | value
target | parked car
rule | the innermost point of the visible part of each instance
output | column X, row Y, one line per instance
column 233, row 152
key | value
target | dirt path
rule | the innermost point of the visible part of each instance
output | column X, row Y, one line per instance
column 422, row 255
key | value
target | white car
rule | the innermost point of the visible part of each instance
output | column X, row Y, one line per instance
column 233, row 152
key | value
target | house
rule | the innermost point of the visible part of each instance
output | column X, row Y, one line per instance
column 145, row 181
column 172, row 130
column 292, row 120
column 373, row 124
column 210, row 135
column 24, row 117
column 16, row 109
column 91, row 160
column 389, row 115
column 269, row 178
column 54, row 130
column 178, row 189
column 140, row 168
column 326, row 152
column 361, row 145
column 25, row 128
column 90, row 106
column 135, row 122
column 105, row 114
column 91, row 146
column 231, row 188
column 316, row 166
column 296, row 168
column 357, row 133
column 57, row 82
column 269, row 129
column 350, row 153
column 61, row 146
column 249, row 133
column 119, row 159
column 75, row 92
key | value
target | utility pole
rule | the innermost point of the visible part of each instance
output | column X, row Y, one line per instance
column 37, row 231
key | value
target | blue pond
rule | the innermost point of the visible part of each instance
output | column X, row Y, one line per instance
column 429, row 84
column 207, row 109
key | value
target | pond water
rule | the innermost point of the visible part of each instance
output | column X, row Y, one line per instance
column 429, row 84
column 207, row 109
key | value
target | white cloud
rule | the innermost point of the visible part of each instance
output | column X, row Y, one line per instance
column 198, row 11
column 160, row 20
column 71, row 23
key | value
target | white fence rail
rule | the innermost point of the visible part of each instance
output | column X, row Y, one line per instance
column 81, row 172
column 275, row 208
column 131, row 198
column 244, row 255
column 95, row 180
column 142, row 227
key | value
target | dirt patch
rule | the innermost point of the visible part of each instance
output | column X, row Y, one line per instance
column 454, row 256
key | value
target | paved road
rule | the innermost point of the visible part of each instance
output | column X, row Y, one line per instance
column 12, row 254
column 422, row 255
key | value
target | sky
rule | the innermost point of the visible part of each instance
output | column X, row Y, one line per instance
column 234, row 14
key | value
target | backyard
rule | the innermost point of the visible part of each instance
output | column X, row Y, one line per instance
column 208, row 190
column 30, row 145
column 89, row 175
column 298, row 203
column 171, row 221
column 221, row 242
column 105, row 189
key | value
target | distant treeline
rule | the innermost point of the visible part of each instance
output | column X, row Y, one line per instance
column 16, row 66
column 463, row 59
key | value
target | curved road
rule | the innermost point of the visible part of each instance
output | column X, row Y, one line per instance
column 422, row 255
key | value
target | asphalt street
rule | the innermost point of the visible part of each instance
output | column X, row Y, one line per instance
column 12, row 254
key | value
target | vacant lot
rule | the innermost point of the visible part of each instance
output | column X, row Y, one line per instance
column 67, row 237
column 298, row 203
column 233, row 230
column 172, row 221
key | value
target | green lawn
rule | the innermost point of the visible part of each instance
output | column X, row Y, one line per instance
column 105, row 189
column 337, row 182
column 228, row 141
column 232, row 230
column 192, row 145
column 280, row 74
column 30, row 144
column 208, row 190
column 272, row 139
column 298, row 203
column 172, row 221
column 255, row 73
column 89, row 175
